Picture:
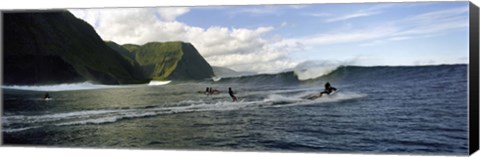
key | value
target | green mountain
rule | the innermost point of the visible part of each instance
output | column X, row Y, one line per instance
column 169, row 61
column 51, row 47
column 55, row 47
column 131, row 47
column 191, row 66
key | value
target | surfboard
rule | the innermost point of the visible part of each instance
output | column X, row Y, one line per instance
column 313, row 97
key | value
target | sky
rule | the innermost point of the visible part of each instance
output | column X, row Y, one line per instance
column 275, row 38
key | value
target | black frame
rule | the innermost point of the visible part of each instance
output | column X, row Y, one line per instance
column 474, row 79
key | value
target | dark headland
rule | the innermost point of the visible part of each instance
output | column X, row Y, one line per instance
column 52, row 47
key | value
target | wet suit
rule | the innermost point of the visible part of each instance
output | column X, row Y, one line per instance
column 234, row 98
column 328, row 89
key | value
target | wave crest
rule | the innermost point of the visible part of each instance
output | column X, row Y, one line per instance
column 60, row 87
column 313, row 70
column 158, row 83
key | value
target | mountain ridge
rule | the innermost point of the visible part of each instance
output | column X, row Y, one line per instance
column 54, row 47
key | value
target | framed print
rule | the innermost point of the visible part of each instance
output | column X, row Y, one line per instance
column 386, row 78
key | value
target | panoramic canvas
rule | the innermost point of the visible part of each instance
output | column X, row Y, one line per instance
column 341, row 78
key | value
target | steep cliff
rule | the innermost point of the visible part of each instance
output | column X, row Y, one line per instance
column 171, row 60
column 48, row 47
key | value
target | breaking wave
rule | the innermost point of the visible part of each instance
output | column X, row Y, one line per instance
column 313, row 70
column 60, row 87
column 338, row 73
column 158, row 83
column 78, row 86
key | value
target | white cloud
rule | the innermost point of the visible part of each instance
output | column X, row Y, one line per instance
column 434, row 22
column 373, row 43
column 331, row 17
column 399, row 38
column 336, row 38
column 425, row 25
column 298, row 6
column 351, row 16
column 170, row 14
column 319, row 14
column 438, row 15
column 347, row 36
column 256, row 10
column 265, row 61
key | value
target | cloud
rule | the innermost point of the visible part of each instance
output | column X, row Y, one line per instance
column 265, row 61
column 439, row 15
column 373, row 43
column 170, row 14
column 120, row 25
column 425, row 25
column 346, row 36
column 297, row 6
column 436, row 21
column 327, row 39
column 399, row 38
column 256, row 10
column 394, row 38
column 221, row 40
column 318, row 14
column 351, row 16
column 331, row 17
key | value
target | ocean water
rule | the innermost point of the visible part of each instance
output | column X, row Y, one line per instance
column 412, row 110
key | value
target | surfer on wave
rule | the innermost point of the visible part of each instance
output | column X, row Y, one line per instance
column 328, row 89
column 234, row 98
column 213, row 91
column 210, row 91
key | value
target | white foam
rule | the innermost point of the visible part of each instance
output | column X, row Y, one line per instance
column 91, row 121
column 17, row 129
column 223, row 106
column 340, row 96
column 216, row 78
column 60, row 87
column 281, row 98
column 77, row 118
column 78, row 86
column 53, row 117
column 296, row 100
column 158, row 83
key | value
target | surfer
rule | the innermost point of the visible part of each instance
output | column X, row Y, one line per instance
column 328, row 89
column 213, row 91
column 46, row 97
column 234, row 98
